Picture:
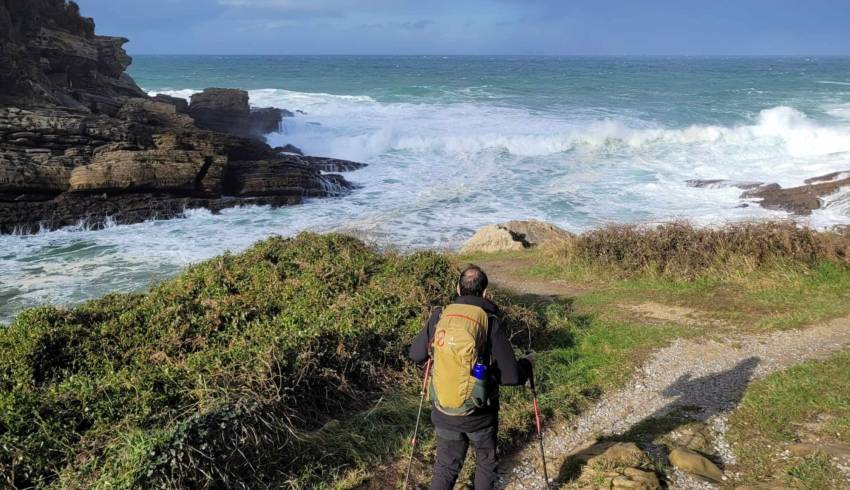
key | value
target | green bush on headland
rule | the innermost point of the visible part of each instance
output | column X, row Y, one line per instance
column 681, row 250
column 219, row 375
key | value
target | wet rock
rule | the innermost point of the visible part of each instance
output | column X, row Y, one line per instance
column 290, row 149
column 721, row 183
column 695, row 464
column 801, row 200
column 332, row 164
column 280, row 177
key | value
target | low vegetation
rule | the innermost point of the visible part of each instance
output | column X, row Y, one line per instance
column 238, row 371
column 752, row 276
column 683, row 251
column 809, row 402
column 285, row 365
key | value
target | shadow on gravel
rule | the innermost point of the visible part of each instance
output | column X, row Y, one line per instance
column 695, row 400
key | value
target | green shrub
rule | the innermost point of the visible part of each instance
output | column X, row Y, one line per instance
column 224, row 375
column 682, row 250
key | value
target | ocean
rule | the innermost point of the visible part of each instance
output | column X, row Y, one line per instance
column 455, row 143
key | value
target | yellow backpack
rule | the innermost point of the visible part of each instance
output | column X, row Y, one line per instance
column 460, row 341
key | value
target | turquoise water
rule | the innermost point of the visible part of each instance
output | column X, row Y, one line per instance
column 454, row 143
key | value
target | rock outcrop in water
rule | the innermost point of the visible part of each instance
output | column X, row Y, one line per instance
column 800, row 200
column 80, row 141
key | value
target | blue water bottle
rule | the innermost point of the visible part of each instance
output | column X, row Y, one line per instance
column 479, row 371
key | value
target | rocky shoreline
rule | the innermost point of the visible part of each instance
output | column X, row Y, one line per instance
column 800, row 200
column 80, row 142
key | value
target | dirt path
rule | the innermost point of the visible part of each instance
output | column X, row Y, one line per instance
column 705, row 377
column 506, row 274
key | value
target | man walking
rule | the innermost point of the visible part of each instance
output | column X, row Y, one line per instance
column 471, row 358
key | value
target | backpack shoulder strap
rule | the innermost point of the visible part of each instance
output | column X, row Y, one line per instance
column 431, row 328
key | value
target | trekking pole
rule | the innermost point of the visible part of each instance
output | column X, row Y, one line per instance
column 416, row 427
column 539, row 427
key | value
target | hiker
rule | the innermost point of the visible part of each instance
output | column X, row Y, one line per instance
column 472, row 356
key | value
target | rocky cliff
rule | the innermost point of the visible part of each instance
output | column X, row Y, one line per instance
column 80, row 141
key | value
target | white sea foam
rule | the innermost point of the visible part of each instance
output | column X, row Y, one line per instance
column 440, row 170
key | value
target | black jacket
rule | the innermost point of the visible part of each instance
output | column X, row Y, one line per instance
column 504, row 368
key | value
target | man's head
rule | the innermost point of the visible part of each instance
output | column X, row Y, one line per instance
column 473, row 282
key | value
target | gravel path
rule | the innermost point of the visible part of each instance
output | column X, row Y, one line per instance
column 707, row 377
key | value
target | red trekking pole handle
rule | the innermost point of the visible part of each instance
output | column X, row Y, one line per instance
column 539, row 427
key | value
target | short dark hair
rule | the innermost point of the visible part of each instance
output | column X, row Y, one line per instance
column 473, row 281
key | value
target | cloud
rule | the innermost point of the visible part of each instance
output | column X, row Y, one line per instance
column 417, row 25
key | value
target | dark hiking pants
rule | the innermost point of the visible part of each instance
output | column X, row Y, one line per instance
column 451, row 451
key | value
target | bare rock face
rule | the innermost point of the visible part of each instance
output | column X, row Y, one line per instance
column 79, row 141
column 228, row 111
column 51, row 56
column 514, row 235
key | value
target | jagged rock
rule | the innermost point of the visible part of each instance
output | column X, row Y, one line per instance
column 155, row 113
column 801, row 200
column 51, row 56
column 279, row 177
column 182, row 105
column 721, row 183
column 288, row 148
column 332, row 164
column 228, row 111
column 514, row 235
column 695, row 464
column 79, row 141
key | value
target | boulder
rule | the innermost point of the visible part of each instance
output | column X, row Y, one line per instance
column 493, row 238
column 696, row 464
column 616, row 465
column 514, row 235
column 620, row 455
column 228, row 111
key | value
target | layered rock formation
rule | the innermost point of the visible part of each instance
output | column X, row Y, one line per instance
column 79, row 141
column 800, row 200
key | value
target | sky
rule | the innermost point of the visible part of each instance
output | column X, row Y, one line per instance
column 533, row 27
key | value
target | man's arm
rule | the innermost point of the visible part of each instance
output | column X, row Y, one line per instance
column 419, row 350
column 511, row 372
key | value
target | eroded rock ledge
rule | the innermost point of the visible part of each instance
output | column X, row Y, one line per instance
column 81, row 142
column 800, row 200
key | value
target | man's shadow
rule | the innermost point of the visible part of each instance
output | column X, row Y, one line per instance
column 696, row 400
